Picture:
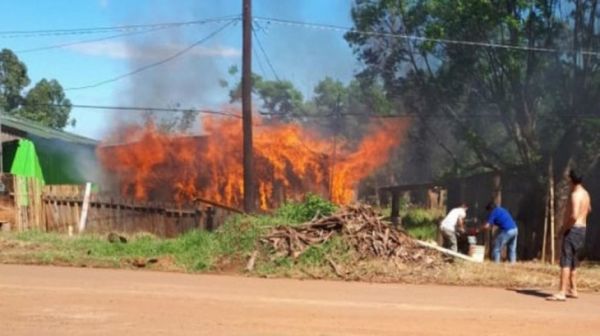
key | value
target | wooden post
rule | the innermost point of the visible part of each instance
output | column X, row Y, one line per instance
column 497, row 189
column 551, row 175
column 249, row 193
column 16, row 196
column 85, row 207
column 395, row 214
column 546, row 214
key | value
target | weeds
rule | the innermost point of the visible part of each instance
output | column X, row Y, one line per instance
column 421, row 223
column 311, row 206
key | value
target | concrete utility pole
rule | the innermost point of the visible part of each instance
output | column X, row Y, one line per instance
column 247, row 106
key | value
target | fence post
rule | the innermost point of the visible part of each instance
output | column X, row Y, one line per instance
column 85, row 206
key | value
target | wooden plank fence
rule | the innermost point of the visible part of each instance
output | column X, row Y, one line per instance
column 63, row 206
column 27, row 205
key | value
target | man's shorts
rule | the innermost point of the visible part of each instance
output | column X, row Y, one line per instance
column 572, row 247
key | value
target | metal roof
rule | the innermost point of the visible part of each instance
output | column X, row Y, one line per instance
column 39, row 130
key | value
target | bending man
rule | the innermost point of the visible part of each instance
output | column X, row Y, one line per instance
column 508, row 232
column 448, row 226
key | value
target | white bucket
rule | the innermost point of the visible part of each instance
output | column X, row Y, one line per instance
column 477, row 252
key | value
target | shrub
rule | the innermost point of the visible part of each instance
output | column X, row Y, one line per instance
column 421, row 223
column 307, row 209
column 418, row 217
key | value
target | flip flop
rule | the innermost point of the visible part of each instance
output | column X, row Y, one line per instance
column 556, row 297
column 572, row 296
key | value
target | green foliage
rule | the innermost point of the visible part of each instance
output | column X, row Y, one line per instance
column 240, row 234
column 196, row 250
column 528, row 95
column 421, row 223
column 416, row 217
column 317, row 255
column 45, row 103
column 13, row 79
column 307, row 209
column 426, row 232
column 278, row 97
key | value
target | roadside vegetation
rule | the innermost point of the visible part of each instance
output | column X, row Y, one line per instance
column 228, row 249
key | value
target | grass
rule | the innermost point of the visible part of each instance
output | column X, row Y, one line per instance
column 228, row 248
column 421, row 223
column 193, row 251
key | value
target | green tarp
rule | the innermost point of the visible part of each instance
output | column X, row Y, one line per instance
column 26, row 164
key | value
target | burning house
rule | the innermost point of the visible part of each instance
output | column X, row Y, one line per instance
column 290, row 160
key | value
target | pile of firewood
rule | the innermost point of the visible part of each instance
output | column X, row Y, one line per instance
column 360, row 226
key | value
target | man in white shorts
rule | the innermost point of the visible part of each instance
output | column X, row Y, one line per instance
column 453, row 221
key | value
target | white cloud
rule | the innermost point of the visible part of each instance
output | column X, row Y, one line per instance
column 121, row 50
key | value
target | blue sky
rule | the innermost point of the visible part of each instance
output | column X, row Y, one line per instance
column 302, row 55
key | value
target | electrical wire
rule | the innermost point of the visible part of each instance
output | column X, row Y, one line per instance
column 344, row 29
column 262, row 49
column 143, row 109
column 155, row 64
column 108, row 29
column 129, row 33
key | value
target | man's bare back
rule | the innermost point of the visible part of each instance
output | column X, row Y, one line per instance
column 579, row 207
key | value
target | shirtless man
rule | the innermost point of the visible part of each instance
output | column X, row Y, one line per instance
column 573, row 237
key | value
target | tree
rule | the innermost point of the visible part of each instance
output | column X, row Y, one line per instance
column 520, row 92
column 13, row 79
column 279, row 98
column 47, row 104
column 500, row 104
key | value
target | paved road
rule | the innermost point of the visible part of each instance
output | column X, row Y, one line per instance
column 38, row 300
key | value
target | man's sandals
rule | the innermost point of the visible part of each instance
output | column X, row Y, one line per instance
column 556, row 297
column 563, row 297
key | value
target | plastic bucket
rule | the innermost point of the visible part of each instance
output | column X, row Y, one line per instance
column 477, row 252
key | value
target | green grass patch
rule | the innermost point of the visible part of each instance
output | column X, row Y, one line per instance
column 194, row 251
column 311, row 206
column 422, row 223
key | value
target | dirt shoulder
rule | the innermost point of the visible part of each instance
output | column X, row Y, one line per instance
column 77, row 301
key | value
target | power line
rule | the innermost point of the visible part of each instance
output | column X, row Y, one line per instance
column 155, row 64
column 322, row 116
column 68, row 44
column 129, row 33
column 260, row 64
column 262, row 49
column 142, row 109
column 344, row 29
column 108, row 29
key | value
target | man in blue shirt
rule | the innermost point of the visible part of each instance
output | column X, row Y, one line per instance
column 507, row 235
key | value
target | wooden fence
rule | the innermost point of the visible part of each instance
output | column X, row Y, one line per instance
column 26, row 204
column 21, row 203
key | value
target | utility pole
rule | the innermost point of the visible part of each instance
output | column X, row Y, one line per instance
column 337, row 116
column 247, row 105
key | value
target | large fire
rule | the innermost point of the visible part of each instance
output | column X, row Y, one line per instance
column 290, row 161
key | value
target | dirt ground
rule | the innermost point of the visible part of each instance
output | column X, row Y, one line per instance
column 40, row 300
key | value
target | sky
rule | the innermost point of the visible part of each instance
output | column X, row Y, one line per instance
column 302, row 55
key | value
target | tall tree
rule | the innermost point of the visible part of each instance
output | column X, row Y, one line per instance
column 47, row 104
column 500, row 103
column 278, row 98
column 13, row 79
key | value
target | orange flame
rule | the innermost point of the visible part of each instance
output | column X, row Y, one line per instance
column 289, row 161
